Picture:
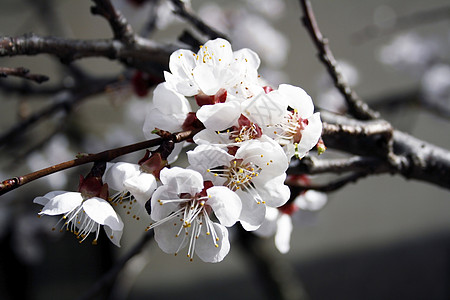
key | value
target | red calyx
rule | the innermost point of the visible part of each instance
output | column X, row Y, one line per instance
column 141, row 81
column 154, row 164
column 93, row 187
column 192, row 122
column 267, row 89
column 219, row 97
column 288, row 208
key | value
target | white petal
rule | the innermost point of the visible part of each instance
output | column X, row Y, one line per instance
column 175, row 152
column 298, row 99
column 248, row 58
column 265, row 153
column 207, row 79
column 183, row 85
column 156, row 119
column 118, row 173
column 269, row 226
column 207, row 137
column 43, row 200
column 205, row 157
column 62, row 203
column 283, row 235
column 114, row 235
column 219, row 116
column 141, row 187
column 274, row 192
column 311, row 200
column 169, row 101
column 252, row 214
column 207, row 251
column 166, row 236
column 217, row 52
column 159, row 211
column 182, row 180
column 265, row 109
column 310, row 135
column 226, row 204
column 102, row 213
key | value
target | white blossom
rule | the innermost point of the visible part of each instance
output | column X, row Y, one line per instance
column 256, row 172
column 131, row 183
column 82, row 216
column 182, row 208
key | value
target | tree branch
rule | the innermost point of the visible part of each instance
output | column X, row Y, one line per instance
column 410, row 157
column 23, row 73
column 144, row 54
column 119, row 25
column 356, row 106
column 108, row 155
column 64, row 101
column 188, row 15
column 312, row 165
column 108, row 278
column 331, row 186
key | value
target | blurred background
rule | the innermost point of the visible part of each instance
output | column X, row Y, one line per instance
column 381, row 238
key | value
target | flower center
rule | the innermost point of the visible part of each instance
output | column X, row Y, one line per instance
column 191, row 217
column 238, row 174
column 290, row 129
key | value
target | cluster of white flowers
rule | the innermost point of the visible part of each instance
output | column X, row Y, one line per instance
column 248, row 135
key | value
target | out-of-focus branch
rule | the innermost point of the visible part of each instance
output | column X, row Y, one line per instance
column 65, row 101
column 401, row 23
column 332, row 186
column 108, row 278
column 23, row 73
column 187, row 14
column 311, row 165
column 277, row 277
column 108, row 155
column 413, row 97
column 356, row 107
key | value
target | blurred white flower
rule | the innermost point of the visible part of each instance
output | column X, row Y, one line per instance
column 279, row 221
column 410, row 53
column 436, row 85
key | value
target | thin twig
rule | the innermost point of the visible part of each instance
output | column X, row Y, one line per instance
column 64, row 101
column 331, row 186
column 23, row 73
column 119, row 25
column 108, row 155
column 188, row 15
column 358, row 108
column 311, row 165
